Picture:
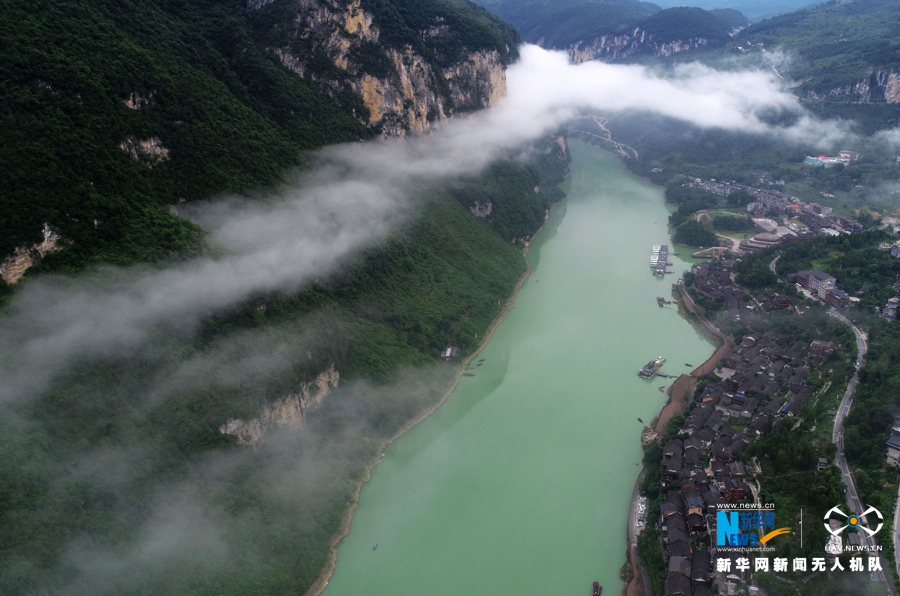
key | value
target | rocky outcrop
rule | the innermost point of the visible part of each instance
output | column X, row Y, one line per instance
column 137, row 100
column 890, row 81
column 402, row 90
column 607, row 48
column 882, row 85
column 150, row 151
column 482, row 208
column 288, row 411
column 13, row 267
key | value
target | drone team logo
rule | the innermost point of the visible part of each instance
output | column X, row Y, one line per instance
column 852, row 521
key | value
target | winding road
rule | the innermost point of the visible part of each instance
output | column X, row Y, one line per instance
column 837, row 437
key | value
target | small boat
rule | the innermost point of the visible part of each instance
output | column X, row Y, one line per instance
column 686, row 364
column 468, row 375
column 374, row 547
column 482, row 360
column 598, row 589
column 641, row 421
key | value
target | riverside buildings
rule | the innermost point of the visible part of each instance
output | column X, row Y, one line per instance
column 816, row 217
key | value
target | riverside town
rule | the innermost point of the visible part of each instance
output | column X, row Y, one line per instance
column 352, row 298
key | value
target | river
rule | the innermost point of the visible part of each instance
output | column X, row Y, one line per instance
column 520, row 483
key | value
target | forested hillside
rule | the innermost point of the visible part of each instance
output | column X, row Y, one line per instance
column 839, row 52
column 115, row 110
column 132, row 471
column 616, row 29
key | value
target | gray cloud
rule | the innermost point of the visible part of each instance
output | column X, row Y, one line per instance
column 353, row 197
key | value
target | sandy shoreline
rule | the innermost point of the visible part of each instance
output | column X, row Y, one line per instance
column 344, row 529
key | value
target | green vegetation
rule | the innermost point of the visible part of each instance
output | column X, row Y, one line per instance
column 230, row 121
column 693, row 233
column 861, row 269
column 438, row 282
column 689, row 201
column 204, row 85
column 730, row 223
column 116, row 479
column 836, row 43
column 650, row 551
column 754, row 274
column 869, row 423
column 517, row 210
column 469, row 28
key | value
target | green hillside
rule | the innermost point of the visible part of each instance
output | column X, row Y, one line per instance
column 754, row 10
column 116, row 478
column 201, row 84
column 563, row 23
column 834, row 44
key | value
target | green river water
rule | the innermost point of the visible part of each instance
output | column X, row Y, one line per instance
column 521, row 482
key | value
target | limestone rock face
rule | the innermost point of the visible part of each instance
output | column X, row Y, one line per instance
column 606, row 48
column 290, row 410
column 14, row 266
column 402, row 90
column 150, row 151
column 881, row 85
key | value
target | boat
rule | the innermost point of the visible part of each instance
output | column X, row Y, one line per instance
column 641, row 421
column 651, row 368
column 468, row 375
column 686, row 364
column 374, row 547
column 598, row 589
column 659, row 259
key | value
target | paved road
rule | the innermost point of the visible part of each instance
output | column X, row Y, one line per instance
column 837, row 437
column 772, row 264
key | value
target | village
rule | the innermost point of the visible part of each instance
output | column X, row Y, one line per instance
column 768, row 384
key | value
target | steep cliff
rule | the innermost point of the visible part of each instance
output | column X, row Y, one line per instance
column 288, row 411
column 608, row 48
column 23, row 258
column 112, row 121
column 404, row 82
column 881, row 85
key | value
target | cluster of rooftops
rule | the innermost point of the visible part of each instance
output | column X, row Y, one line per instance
column 816, row 217
column 713, row 280
column 764, row 380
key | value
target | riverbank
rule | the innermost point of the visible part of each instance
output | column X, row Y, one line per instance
column 344, row 529
column 681, row 390
column 532, row 431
